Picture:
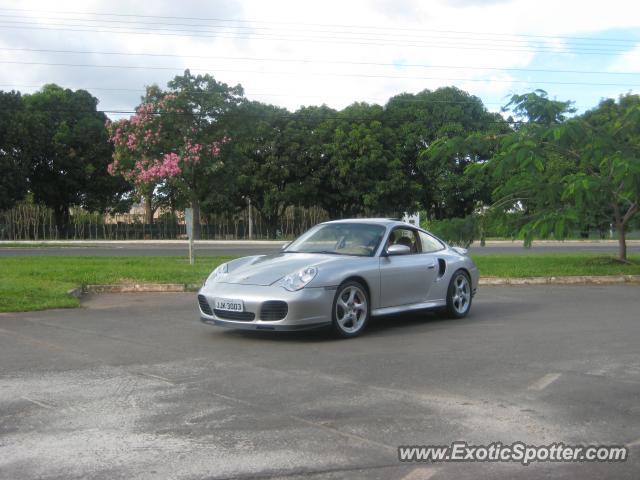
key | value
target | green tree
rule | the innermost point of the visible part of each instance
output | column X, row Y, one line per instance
column 171, row 146
column 538, row 109
column 606, row 144
column 561, row 174
column 529, row 168
column 307, row 136
column 254, row 162
column 68, row 152
column 365, row 169
column 14, row 164
column 436, row 134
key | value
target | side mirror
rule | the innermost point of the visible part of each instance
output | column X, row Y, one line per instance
column 285, row 246
column 398, row 249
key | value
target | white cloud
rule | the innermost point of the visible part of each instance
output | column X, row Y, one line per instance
column 627, row 62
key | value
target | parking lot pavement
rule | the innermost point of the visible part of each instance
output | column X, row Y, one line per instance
column 133, row 386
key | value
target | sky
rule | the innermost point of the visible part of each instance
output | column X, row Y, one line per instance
column 294, row 53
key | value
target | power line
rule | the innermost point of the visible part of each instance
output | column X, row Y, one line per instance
column 330, row 39
column 323, row 74
column 263, row 22
column 239, row 29
column 314, row 61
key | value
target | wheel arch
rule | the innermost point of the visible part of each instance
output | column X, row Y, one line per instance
column 359, row 279
column 465, row 270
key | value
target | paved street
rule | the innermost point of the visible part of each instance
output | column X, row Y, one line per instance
column 239, row 248
column 133, row 386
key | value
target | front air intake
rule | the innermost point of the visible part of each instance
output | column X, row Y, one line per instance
column 204, row 305
column 274, row 310
column 235, row 316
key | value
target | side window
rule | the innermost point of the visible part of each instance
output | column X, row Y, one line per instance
column 429, row 243
column 404, row 236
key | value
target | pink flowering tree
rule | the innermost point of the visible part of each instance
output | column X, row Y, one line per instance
column 174, row 138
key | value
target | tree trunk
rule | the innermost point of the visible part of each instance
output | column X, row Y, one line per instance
column 622, row 243
column 148, row 208
column 61, row 216
column 195, row 205
column 621, row 222
column 272, row 225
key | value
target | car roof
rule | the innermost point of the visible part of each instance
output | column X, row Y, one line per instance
column 386, row 222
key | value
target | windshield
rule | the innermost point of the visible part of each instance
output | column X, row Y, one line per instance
column 359, row 239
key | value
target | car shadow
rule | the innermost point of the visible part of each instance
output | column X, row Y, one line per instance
column 397, row 324
column 303, row 336
column 377, row 325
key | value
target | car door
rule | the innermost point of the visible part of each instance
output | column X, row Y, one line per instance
column 406, row 279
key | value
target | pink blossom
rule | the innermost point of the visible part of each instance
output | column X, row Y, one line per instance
column 132, row 141
column 156, row 169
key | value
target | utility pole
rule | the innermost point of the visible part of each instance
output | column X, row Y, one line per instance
column 250, row 219
column 188, row 219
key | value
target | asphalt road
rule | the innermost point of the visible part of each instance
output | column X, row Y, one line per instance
column 133, row 386
column 240, row 248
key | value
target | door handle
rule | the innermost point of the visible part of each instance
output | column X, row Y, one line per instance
column 431, row 266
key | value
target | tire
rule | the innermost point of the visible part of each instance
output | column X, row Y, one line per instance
column 351, row 310
column 459, row 296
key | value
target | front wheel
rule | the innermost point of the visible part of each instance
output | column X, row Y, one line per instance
column 459, row 295
column 350, row 309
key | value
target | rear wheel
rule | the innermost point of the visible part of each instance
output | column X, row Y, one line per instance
column 350, row 309
column 459, row 295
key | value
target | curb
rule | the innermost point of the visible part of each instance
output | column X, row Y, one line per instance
column 574, row 280
column 134, row 288
column 485, row 282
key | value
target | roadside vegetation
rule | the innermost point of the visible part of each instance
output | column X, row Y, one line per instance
column 539, row 171
column 38, row 283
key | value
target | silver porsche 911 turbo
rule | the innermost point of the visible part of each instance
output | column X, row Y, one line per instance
column 339, row 274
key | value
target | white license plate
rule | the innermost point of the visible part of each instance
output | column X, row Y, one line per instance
column 229, row 305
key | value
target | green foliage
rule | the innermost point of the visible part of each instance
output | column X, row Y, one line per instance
column 365, row 170
column 536, row 107
column 544, row 174
column 253, row 166
column 14, row 164
column 458, row 133
column 460, row 232
column 68, row 152
column 570, row 174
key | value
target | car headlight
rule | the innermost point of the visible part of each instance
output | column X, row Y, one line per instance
column 219, row 272
column 296, row 281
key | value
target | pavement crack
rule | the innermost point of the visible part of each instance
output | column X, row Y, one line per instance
column 318, row 425
column 307, row 473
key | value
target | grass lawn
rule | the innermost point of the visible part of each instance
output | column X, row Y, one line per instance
column 554, row 265
column 37, row 283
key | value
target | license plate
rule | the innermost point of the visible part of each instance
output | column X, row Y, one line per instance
column 229, row 305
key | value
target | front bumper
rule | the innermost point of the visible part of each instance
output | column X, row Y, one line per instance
column 307, row 308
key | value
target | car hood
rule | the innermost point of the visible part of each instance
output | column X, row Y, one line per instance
column 267, row 269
